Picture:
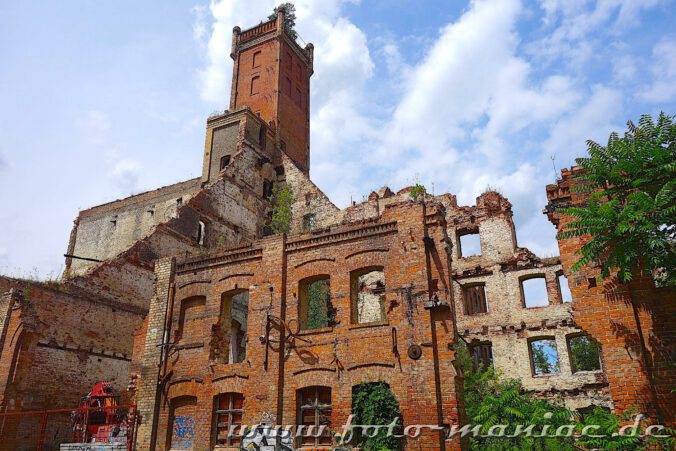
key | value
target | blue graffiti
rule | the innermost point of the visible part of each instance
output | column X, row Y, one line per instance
column 184, row 432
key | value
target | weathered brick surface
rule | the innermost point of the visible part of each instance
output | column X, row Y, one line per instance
column 339, row 357
column 634, row 322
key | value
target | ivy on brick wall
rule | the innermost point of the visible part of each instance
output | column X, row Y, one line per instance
column 374, row 403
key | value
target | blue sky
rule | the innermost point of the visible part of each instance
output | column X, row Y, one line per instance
column 102, row 99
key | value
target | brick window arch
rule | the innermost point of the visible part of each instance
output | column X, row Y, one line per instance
column 367, row 295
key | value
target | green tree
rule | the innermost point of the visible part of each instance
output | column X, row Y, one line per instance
column 289, row 10
column 631, row 210
column 584, row 353
column 374, row 403
column 282, row 202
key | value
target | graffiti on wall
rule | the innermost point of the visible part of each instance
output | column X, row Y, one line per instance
column 184, row 433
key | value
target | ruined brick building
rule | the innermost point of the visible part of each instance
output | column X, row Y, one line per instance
column 209, row 315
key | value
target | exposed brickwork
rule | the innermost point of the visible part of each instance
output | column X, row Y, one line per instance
column 634, row 322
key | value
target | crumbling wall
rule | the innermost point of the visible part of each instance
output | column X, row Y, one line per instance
column 105, row 231
column 633, row 322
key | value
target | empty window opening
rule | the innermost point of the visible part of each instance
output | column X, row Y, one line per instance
column 225, row 161
column 564, row 288
column 314, row 411
column 261, row 137
column 229, row 334
column 201, row 232
column 584, row 354
column 469, row 244
column 482, row 355
column 182, row 425
column 113, row 221
column 544, row 357
column 534, row 291
column 309, row 222
column 367, row 293
column 179, row 201
column 315, row 310
column 268, row 188
column 256, row 59
column 228, row 412
column 475, row 299
column 255, row 85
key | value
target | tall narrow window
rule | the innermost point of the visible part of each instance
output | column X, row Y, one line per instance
column 544, row 356
column 367, row 290
column 482, row 355
column 309, row 222
column 229, row 340
column 261, row 137
column 564, row 288
column 314, row 411
column 287, row 86
column 255, row 82
column 201, row 232
column 534, row 291
column 298, row 97
column 228, row 412
column 315, row 309
column 475, row 299
column 584, row 354
column 268, row 188
column 256, row 58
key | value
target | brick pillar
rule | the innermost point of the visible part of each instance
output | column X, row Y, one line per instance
column 149, row 394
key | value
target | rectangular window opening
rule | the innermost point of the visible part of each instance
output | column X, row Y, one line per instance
column 475, row 299
column 314, row 410
column 564, row 288
column 482, row 355
column 469, row 244
column 228, row 412
column 225, row 161
column 544, row 357
column 367, row 293
column 255, row 85
column 315, row 308
column 534, row 291
column 584, row 354
column 256, row 59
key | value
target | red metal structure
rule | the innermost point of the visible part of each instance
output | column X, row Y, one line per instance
column 102, row 425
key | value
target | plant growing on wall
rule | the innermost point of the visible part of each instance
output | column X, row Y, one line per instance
column 281, row 209
column 374, row 403
column 289, row 10
column 418, row 192
column 631, row 210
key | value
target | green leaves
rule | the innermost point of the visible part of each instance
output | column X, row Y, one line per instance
column 281, row 209
column 374, row 404
column 630, row 216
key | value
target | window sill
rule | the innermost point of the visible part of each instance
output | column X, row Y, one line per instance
column 545, row 376
column 582, row 372
column 321, row 330
column 477, row 314
column 366, row 325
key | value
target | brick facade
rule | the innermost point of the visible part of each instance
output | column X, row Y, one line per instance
column 633, row 322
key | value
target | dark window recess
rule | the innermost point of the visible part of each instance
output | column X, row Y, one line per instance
column 475, row 299
column 225, row 161
column 256, row 59
column 261, row 137
column 309, row 222
column 268, row 188
column 255, row 82
column 179, row 201
column 482, row 355
column 229, row 409
column 113, row 221
column 314, row 409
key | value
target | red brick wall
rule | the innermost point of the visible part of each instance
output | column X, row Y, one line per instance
column 339, row 357
column 633, row 322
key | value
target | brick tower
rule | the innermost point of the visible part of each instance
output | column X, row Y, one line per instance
column 271, row 75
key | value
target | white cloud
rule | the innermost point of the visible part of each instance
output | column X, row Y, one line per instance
column 125, row 175
column 663, row 69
